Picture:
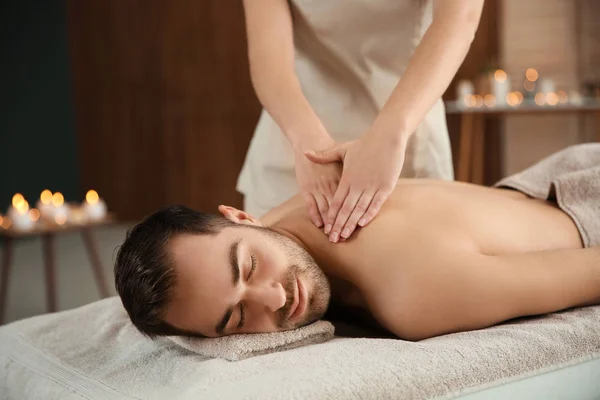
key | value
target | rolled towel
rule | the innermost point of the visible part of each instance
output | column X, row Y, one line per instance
column 242, row 346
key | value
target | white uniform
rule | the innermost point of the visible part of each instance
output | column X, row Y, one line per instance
column 350, row 55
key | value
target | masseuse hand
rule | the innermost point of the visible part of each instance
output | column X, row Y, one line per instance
column 317, row 182
column 371, row 167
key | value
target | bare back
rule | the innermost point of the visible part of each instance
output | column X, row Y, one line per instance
column 418, row 236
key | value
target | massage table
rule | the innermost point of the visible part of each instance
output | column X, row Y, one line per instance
column 94, row 352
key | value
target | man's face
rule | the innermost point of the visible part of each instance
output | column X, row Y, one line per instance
column 244, row 280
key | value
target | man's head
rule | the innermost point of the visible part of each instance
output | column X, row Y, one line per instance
column 182, row 272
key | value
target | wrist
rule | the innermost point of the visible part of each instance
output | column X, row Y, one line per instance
column 310, row 139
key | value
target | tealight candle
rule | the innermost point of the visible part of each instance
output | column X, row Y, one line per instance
column 500, row 86
column 94, row 206
column 59, row 210
column 44, row 204
column 19, row 215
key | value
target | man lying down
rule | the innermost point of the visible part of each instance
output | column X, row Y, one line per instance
column 440, row 257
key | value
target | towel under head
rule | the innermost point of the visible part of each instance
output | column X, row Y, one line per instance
column 242, row 346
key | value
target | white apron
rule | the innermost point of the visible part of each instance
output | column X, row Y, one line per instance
column 350, row 55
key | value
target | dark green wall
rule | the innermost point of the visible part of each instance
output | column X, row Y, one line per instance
column 37, row 136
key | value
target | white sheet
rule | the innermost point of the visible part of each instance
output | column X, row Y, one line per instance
column 93, row 352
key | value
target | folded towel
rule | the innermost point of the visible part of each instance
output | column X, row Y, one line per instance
column 570, row 177
column 240, row 347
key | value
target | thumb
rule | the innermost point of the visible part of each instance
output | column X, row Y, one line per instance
column 336, row 153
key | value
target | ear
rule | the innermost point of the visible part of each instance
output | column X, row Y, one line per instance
column 238, row 216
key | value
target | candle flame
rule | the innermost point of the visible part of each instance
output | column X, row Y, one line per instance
column 552, row 98
column 17, row 200
column 34, row 214
column 46, row 197
column 92, row 197
column 489, row 100
column 499, row 75
column 531, row 74
column 58, row 199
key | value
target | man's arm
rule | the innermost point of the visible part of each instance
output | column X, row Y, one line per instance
column 473, row 291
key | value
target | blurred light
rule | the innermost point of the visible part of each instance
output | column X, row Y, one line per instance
column 58, row 199
column 489, row 100
column 540, row 99
column 529, row 86
column 23, row 207
column 46, row 197
column 469, row 100
column 512, row 99
column 92, row 197
column 552, row 98
column 478, row 100
column 562, row 97
column 34, row 214
column 499, row 75
column 60, row 219
column 1, row 220
column 6, row 223
column 519, row 97
column 531, row 74
column 18, row 200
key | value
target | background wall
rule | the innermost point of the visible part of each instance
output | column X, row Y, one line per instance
column 165, row 108
column 37, row 136
column 561, row 40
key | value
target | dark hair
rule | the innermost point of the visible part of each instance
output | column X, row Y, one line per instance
column 144, row 274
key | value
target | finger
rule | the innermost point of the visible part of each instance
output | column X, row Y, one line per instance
column 344, row 214
column 378, row 200
column 326, row 156
column 323, row 207
column 313, row 209
column 335, row 205
column 359, row 211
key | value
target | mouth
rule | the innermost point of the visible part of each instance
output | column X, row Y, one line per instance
column 299, row 304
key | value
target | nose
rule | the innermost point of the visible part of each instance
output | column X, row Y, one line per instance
column 271, row 294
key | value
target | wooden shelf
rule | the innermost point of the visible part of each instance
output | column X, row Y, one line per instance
column 527, row 107
column 52, row 228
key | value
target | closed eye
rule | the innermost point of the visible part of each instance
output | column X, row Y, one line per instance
column 253, row 268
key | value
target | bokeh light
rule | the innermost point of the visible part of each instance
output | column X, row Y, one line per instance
column 499, row 75
column 531, row 74
column 58, row 199
column 46, row 197
column 92, row 197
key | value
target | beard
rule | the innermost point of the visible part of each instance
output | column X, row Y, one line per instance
column 304, row 265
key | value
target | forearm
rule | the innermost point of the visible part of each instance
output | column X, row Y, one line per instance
column 474, row 291
column 549, row 281
column 430, row 71
column 271, row 57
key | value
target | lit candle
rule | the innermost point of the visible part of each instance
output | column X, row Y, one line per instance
column 19, row 213
column 44, row 204
column 59, row 210
column 500, row 86
column 94, row 206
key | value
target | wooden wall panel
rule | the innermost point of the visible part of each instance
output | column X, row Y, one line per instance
column 165, row 109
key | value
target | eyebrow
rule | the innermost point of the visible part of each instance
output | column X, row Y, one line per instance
column 235, row 272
